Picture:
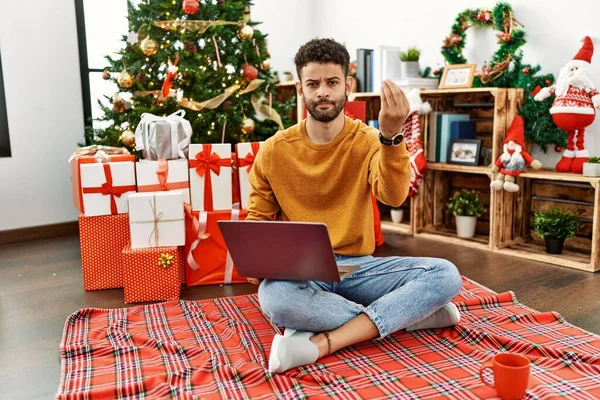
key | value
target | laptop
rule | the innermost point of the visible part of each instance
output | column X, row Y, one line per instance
column 296, row 251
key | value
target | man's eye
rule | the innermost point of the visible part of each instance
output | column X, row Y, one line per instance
column 311, row 84
column 333, row 83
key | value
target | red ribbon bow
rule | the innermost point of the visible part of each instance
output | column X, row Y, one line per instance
column 162, row 173
column 248, row 161
column 205, row 162
column 107, row 189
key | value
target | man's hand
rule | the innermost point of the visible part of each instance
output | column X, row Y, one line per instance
column 254, row 281
column 394, row 109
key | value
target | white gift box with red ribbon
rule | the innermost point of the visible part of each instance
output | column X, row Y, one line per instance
column 105, row 187
column 163, row 175
column 246, row 155
column 210, row 176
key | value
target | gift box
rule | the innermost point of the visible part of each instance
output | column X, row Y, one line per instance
column 211, row 176
column 108, row 175
column 105, row 187
column 208, row 261
column 245, row 160
column 163, row 175
column 152, row 274
column 163, row 137
column 156, row 219
column 235, row 180
column 102, row 240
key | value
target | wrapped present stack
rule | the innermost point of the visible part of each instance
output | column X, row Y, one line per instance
column 150, row 226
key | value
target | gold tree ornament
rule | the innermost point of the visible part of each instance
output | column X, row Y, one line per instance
column 248, row 126
column 266, row 64
column 149, row 46
column 128, row 138
column 246, row 32
column 125, row 79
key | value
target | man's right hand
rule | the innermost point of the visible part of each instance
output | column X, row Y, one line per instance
column 254, row 281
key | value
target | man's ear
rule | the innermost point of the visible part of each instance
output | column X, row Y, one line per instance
column 299, row 88
column 349, row 84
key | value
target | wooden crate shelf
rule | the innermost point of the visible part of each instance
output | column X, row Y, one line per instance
column 471, row 169
column 535, row 251
column 448, row 235
column 402, row 228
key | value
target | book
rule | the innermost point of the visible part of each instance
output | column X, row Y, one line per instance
column 462, row 130
column 364, row 69
column 443, row 133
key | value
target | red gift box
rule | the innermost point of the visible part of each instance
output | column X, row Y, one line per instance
column 152, row 274
column 235, row 179
column 102, row 240
column 207, row 259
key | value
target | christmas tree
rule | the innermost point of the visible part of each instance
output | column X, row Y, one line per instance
column 205, row 58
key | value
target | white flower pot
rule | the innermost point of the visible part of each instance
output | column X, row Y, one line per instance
column 286, row 78
column 591, row 169
column 465, row 226
column 409, row 69
column 397, row 215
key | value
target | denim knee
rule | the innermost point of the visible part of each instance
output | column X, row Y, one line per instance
column 452, row 281
column 274, row 298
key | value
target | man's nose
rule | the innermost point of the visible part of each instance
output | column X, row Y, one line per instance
column 322, row 92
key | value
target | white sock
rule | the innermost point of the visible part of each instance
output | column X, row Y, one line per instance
column 291, row 350
column 445, row 316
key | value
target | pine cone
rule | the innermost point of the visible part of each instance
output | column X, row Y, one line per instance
column 190, row 46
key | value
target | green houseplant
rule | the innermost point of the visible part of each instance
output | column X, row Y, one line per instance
column 409, row 66
column 466, row 206
column 555, row 226
column 592, row 167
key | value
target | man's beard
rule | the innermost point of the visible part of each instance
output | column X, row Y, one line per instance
column 325, row 115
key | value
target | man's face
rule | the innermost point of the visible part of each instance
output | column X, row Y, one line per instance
column 324, row 89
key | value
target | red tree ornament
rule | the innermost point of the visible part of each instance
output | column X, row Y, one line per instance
column 250, row 72
column 558, row 149
column 191, row 7
column 171, row 75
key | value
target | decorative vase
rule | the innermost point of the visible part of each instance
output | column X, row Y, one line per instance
column 409, row 69
column 397, row 215
column 554, row 245
column 465, row 226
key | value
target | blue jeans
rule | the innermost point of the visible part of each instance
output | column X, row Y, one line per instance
column 395, row 292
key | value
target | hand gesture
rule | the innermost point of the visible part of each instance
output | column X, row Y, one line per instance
column 394, row 109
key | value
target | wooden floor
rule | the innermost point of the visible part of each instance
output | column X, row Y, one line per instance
column 40, row 285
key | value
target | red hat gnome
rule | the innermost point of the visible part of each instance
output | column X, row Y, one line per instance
column 514, row 158
column 574, row 107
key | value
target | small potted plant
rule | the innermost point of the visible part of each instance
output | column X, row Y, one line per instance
column 555, row 226
column 397, row 215
column 592, row 167
column 466, row 206
column 409, row 66
column 287, row 76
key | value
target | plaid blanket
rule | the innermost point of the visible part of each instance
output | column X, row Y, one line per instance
column 218, row 349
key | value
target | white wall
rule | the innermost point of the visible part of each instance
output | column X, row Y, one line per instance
column 553, row 34
column 289, row 24
column 45, row 114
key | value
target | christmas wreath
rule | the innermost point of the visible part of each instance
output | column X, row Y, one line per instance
column 509, row 38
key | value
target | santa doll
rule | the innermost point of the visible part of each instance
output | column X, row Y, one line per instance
column 514, row 158
column 574, row 107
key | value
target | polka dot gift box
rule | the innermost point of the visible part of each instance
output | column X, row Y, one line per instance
column 102, row 240
column 152, row 274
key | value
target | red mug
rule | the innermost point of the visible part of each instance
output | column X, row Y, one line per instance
column 511, row 375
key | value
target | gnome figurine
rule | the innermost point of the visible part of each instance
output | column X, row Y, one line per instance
column 574, row 107
column 514, row 159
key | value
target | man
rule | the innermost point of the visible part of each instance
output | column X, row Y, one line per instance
column 323, row 170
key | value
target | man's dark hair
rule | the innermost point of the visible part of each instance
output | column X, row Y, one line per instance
column 322, row 51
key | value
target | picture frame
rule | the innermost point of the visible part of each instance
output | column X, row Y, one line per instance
column 390, row 63
column 458, row 76
column 464, row 151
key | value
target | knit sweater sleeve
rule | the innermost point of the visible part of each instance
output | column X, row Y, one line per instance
column 389, row 173
column 263, row 205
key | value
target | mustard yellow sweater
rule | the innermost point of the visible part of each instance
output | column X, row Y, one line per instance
column 299, row 180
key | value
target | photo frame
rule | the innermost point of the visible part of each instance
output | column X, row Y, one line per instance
column 458, row 76
column 390, row 63
column 464, row 151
